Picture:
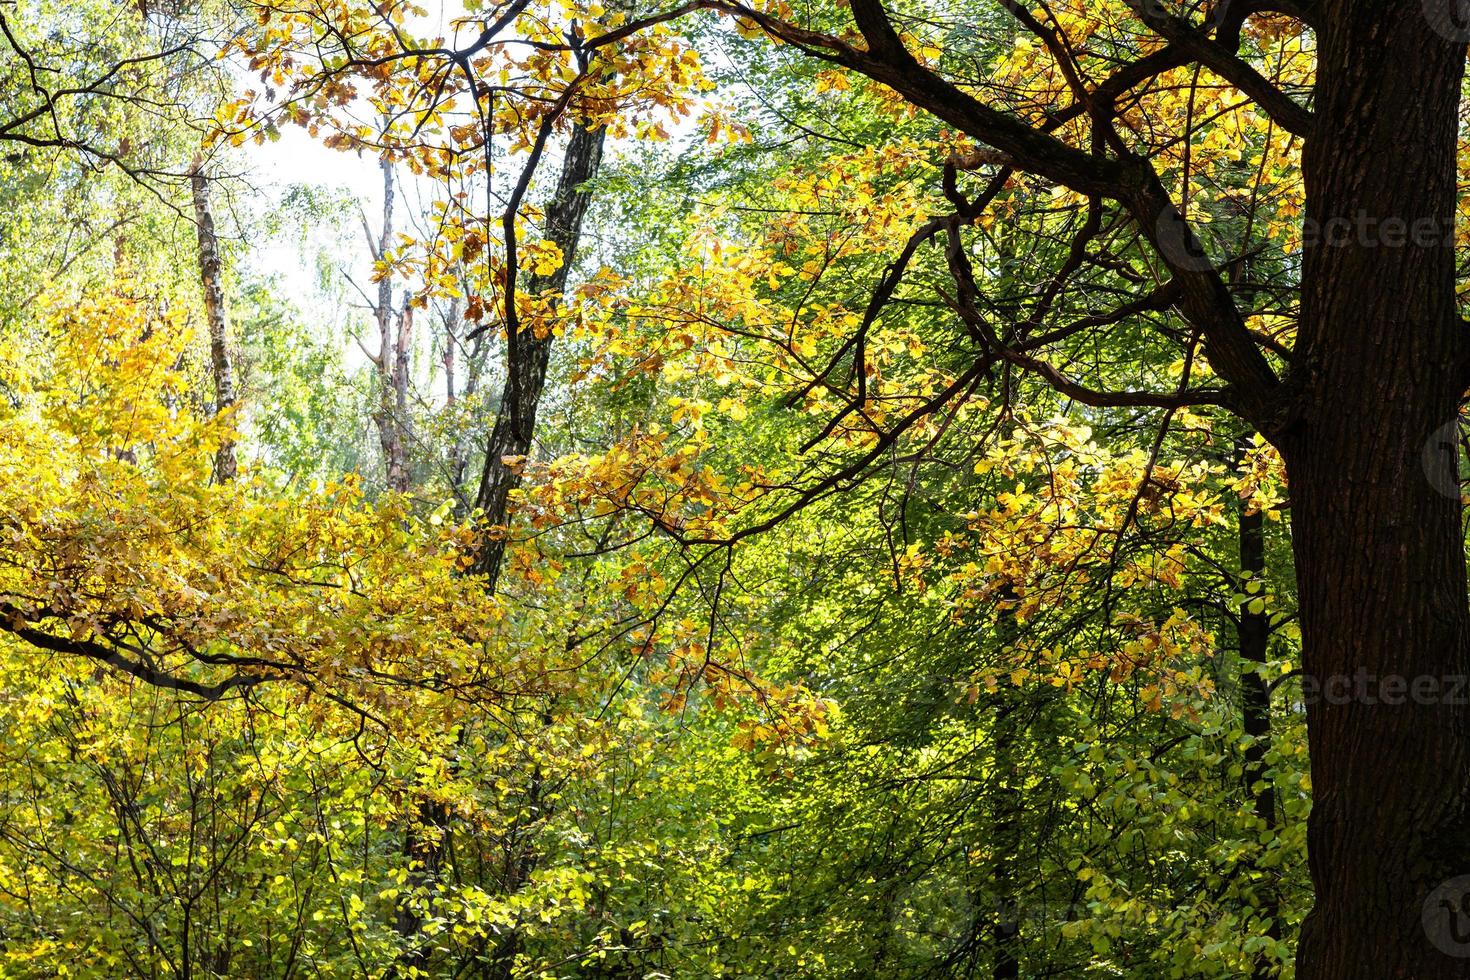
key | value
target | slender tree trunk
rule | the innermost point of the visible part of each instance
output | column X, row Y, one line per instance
column 461, row 382
column 402, row 417
column 424, row 847
column 1379, row 547
column 521, row 858
column 1007, row 805
column 1254, row 635
column 225, row 464
column 453, row 319
column 1005, row 925
column 392, row 340
column 529, row 354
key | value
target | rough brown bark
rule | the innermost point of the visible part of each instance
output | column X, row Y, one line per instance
column 225, row 463
column 1379, row 549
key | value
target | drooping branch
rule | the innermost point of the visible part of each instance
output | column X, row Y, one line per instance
column 13, row 621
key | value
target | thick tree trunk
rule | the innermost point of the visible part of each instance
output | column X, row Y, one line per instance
column 211, row 281
column 1379, row 547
